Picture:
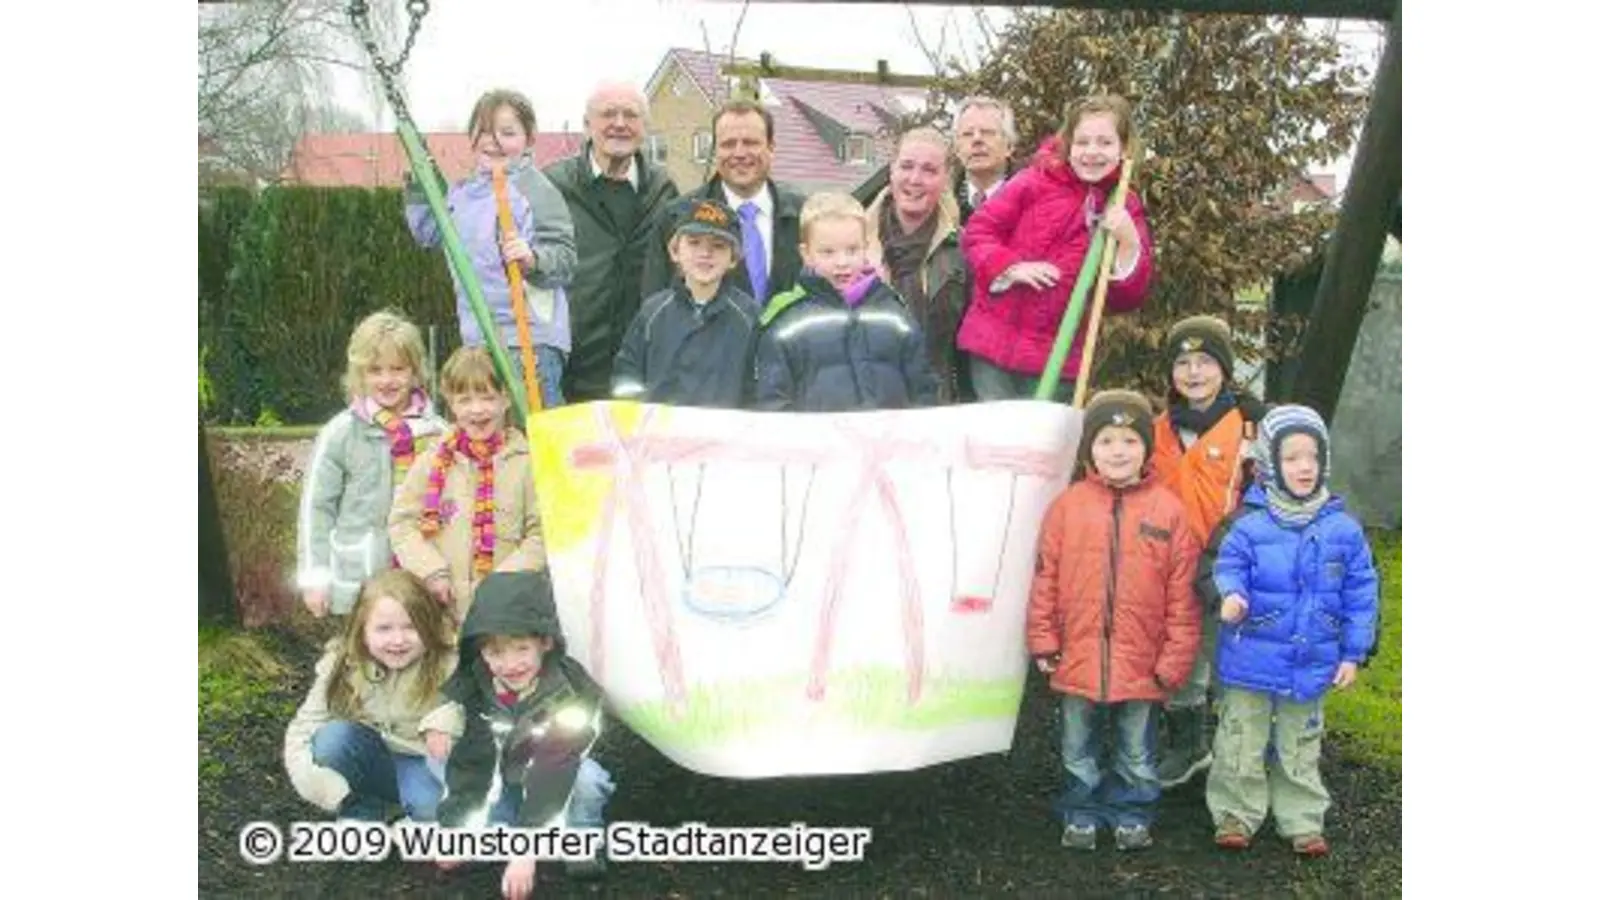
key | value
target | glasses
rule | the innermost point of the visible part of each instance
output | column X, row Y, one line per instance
column 626, row 114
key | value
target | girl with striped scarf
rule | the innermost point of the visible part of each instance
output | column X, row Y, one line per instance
column 467, row 507
column 358, row 459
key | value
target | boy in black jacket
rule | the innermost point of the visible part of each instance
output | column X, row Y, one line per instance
column 693, row 344
column 532, row 715
column 841, row 339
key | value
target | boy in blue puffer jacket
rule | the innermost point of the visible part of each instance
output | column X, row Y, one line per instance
column 1299, row 607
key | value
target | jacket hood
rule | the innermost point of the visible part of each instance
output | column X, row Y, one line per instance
column 481, row 178
column 515, row 604
column 1049, row 160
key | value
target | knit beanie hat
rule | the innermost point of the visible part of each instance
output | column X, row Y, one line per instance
column 1128, row 409
column 1207, row 334
column 1276, row 427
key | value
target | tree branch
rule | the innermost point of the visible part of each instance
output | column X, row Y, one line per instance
column 916, row 34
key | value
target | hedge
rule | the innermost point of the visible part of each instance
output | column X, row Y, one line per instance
column 284, row 277
column 286, row 274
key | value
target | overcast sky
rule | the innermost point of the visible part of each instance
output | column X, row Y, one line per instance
column 556, row 51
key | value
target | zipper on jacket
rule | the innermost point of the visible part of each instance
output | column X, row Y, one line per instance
column 849, row 363
column 1111, row 593
column 1305, row 595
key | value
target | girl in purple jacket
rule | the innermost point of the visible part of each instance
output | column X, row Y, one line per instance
column 502, row 127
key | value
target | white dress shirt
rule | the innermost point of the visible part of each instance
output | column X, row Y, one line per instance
column 976, row 195
column 633, row 170
column 763, row 202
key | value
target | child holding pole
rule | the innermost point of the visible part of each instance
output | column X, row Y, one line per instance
column 1200, row 443
column 1027, row 245
column 540, row 243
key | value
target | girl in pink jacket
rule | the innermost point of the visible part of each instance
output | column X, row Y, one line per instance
column 1026, row 244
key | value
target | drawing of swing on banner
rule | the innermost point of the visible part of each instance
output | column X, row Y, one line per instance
column 765, row 594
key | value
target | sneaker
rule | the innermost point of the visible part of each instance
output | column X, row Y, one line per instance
column 1134, row 837
column 1078, row 837
column 1232, row 835
column 1313, row 845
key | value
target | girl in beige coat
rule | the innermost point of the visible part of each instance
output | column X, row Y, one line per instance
column 374, row 731
column 468, row 507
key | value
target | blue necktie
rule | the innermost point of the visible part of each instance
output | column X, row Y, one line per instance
column 755, row 252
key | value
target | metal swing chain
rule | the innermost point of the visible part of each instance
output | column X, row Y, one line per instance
column 786, row 565
column 360, row 17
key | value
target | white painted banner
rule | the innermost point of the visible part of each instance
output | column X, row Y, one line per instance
column 767, row 594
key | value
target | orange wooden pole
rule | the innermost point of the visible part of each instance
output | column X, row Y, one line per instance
column 1086, row 363
column 1234, row 488
column 519, row 303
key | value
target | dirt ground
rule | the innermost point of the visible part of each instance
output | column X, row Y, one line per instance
column 978, row 827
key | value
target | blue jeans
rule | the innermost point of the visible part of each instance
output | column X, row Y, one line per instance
column 587, row 808
column 1127, row 794
column 378, row 776
column 990, row 382
column 550, row 363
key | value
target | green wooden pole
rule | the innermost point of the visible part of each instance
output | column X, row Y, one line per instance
column 1087, row 275
column 1069, row 323
column 456, row 255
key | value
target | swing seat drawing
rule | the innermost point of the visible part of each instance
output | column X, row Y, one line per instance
column 732, row 593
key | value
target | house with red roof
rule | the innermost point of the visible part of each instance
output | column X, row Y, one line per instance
column 378, row 160
column 827, row 135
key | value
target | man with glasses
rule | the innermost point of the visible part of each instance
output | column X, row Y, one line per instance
column 986, row 132
column 614, row 194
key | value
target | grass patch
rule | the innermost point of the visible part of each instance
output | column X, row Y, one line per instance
column 870, row 697
column 1367, row 717
column 242, row 684
column 238, row 674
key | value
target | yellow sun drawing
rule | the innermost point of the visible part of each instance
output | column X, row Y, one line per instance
column 571, row 498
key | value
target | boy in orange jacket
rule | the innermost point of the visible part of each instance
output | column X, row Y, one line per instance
column 1198, row 453
column 1113, row 620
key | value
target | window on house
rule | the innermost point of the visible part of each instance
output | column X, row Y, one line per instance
column 702, row 146
column 656, row 149
column 858, row 149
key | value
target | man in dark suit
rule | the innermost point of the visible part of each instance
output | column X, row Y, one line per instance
column 769, row 214
column 986, row 134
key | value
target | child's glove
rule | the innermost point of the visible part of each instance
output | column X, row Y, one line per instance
column 1234, row 608
column 1047, row 662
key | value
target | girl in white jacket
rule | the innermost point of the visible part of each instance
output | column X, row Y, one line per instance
column 371, row 738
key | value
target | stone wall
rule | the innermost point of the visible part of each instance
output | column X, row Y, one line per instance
column 1366, row 427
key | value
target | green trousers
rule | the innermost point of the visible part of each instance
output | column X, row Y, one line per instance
column 1246, row 781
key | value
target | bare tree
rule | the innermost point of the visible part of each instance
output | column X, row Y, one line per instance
column 265, row 74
